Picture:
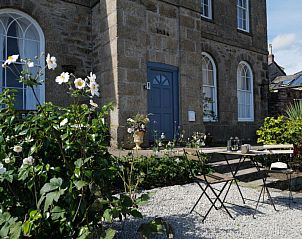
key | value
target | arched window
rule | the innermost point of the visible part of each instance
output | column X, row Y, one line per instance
column 209, row 88
column 20, row 35
column 245, row 92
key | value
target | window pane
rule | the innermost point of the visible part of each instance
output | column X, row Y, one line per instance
column 32, row 33
column 12, row 74
column 31, row 50
column 18, row 36
column 210, row 78
column 14, row 46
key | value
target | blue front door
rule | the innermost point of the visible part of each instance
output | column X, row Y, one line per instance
column 162, row 100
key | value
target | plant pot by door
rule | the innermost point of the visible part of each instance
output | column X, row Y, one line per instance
column 138, row 138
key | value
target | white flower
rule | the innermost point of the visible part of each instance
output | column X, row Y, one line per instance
column 2, row 169
column 160, row 144
column 130, row 130
column 30, row 64
column 10, row 59
column 130, row 120
column 63, row 78
column 51, row 62
column 92, row 77
column 93, row 104
column 162, row 136
column 79, row 83
column 17, row 149
column 94, row 88
column 7, row 160
column 177, row 160
column 142, row 126
column 29, row 161
column 63, row 122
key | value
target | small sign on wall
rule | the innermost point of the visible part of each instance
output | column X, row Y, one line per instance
column 191, row 116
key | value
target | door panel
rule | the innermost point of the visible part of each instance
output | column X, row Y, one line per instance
column 162, row 100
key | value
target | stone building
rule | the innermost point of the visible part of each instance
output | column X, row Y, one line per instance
column 161, row 57
column 284, row 89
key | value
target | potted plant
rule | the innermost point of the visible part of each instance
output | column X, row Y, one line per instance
column 137, row 127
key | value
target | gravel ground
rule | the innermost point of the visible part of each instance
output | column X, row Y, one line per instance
column 174, row 203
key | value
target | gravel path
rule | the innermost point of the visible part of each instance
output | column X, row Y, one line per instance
column 174, row 203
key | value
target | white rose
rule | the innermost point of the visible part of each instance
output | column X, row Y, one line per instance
column 7, row 160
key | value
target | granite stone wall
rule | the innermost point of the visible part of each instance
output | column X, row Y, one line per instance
column 117, row 38
column 67, row 31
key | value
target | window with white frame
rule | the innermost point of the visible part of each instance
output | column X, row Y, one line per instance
column 243, row 15
column 209, row 88
column 206, row 8
column 245, row 92
column 20, row 35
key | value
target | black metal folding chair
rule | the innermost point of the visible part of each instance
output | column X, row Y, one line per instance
column 206, row 181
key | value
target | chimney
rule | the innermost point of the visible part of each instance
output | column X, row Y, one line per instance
column 270, row 54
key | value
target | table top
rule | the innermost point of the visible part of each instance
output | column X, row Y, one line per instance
column 252, row 153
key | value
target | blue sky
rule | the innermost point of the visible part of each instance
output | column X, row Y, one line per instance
column 285, row 33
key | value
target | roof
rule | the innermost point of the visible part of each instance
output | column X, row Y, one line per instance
column 291, row 81
column 281, row 69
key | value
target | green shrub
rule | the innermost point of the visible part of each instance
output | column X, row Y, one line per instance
column 151, row 172
column 273, row 131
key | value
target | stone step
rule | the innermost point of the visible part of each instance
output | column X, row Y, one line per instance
column 234, row 163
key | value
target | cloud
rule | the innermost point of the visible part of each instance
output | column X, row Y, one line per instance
column 290, row 58
column 284, row 41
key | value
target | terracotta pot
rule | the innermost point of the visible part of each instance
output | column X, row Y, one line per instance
column 138, row 138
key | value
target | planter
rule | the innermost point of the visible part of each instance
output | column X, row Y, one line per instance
column 138, row 138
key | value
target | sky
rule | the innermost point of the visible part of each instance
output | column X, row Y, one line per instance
column 285, row 33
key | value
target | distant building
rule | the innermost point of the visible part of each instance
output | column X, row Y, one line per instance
column 284, row 89
column 150, row 56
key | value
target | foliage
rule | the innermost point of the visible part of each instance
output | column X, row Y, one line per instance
column 294, row 111
column 273, row 131
column 197, row 140
column 56, row 173
column 156, row 226
column 137, row 123
column 155, row 171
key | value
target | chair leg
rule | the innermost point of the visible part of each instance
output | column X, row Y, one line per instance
column 203, row 192
column 290, row 193
column 262, row 191
column 269, row 194
column 217, row 198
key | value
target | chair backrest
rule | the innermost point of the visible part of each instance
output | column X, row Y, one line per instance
column 192, row 154
column 282, row 152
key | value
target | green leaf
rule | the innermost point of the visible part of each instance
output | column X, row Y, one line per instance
column 108, row 215
column 57, row 213
column 52, row 196
column 136, row 213
column 80, row 184
column 109, row 234
column 33, row 149
column 15, row 230
column 79, row 163
column 54, row 184
column 84, row 233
